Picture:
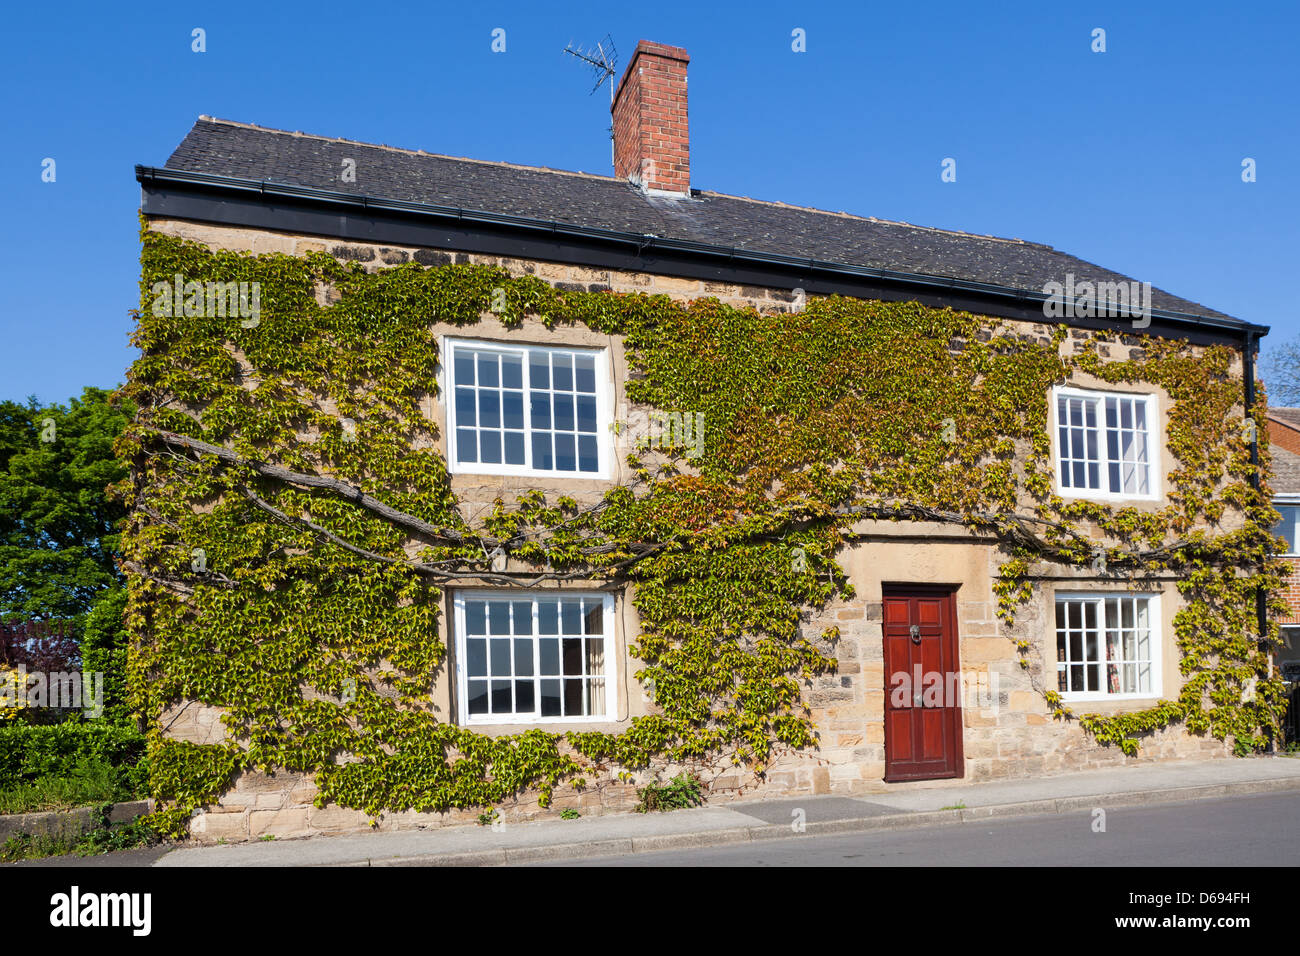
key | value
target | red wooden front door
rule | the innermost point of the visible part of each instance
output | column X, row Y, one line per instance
column 923, row 686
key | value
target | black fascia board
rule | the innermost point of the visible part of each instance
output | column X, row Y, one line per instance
column 302, row 210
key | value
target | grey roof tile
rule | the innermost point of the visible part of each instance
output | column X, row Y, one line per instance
column 1290, row 416
column 1285, row 479
column 239, row 150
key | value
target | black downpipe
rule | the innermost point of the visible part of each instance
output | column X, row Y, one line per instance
column 1261, row 595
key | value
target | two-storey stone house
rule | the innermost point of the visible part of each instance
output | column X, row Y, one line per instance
column 529, row 408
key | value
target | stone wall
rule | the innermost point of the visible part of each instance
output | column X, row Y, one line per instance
column 1015, row 737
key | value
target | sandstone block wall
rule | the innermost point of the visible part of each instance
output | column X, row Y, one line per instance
column 1015, row 737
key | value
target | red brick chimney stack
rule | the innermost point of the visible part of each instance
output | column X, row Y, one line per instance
column 651, row 140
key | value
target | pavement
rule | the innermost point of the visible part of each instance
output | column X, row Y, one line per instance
column 740, row 822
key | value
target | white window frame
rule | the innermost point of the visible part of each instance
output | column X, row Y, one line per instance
column 1154, row 444
column 1156, row 632
column 604, row 410
column 1289, row 501
column 532, row 595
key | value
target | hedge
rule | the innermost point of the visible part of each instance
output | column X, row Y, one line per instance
column 28, row 752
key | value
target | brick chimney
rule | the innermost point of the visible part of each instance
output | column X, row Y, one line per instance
column 652, row 145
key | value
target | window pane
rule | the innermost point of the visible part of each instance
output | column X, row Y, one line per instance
column 548, row 617
column 543, row 460
column 466, row 445
column 571, row 617
column 464, row 365
column 512, row 410
column 490, row 447
column 595, row 656
column 588, row 458
column 512, row 371
column 1286, row 527
column 523, row 657
column 500, row 656
column 489, row 409
column 476, row 657
column 540, row 409
column 565, row 457
column 524, row 700
column 478, row 697
column 465, row 406
column 487, row 370
column 573, row 699
column 521, row 617
column 562, row 370
column 498, row 618
column 586, row 414
column 585, row 372
column 549, row 652
column 593, row 617
column 539, row 370
column 501, row 703
column 572, row 655
column 475, row 617
column 595, row 696
column 564, row 412
column 514, row 448
column 551, row 698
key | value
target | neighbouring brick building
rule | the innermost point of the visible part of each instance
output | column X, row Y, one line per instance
column 237, row 186
column 1284, row 444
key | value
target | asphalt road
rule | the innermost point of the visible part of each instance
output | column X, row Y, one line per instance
column 1257, row 830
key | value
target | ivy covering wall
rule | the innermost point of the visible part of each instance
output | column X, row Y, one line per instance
column 290, row 569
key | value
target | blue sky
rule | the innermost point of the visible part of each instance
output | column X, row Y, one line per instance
column 1129, row 158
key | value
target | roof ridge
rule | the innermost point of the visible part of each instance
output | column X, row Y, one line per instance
column 299, row 134
column 611, row 179
column 888, row 222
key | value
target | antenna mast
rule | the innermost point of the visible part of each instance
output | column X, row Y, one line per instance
column 603, row 59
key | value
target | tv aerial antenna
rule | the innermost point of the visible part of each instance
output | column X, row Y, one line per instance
column 603, row 60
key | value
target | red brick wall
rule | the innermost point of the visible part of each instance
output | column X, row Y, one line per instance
column 651, row 138
column 1284, row 436
column 1291, row 591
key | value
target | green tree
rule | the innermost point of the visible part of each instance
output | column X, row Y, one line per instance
column 57, row 525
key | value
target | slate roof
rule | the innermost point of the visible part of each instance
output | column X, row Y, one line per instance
column 1288, row 416
column 243, row 151
column 1285, row 479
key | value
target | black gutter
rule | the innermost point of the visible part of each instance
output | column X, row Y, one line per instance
column 172, row 192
